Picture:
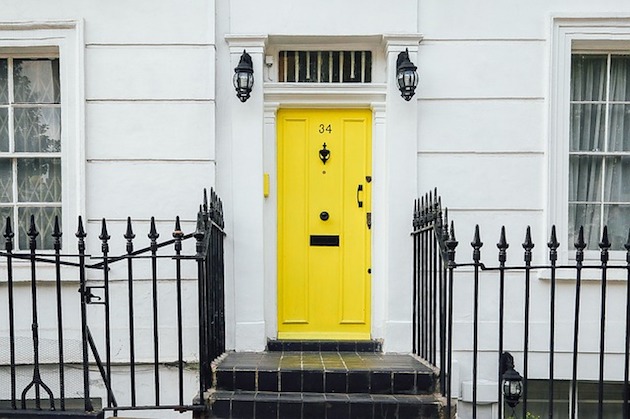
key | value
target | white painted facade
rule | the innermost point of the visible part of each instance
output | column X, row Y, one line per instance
column 151, row 118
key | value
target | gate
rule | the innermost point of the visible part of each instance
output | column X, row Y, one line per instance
column 143, row 320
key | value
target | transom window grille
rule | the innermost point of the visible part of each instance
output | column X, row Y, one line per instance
column 30, row 146
column 599, row 156
column 325, row 66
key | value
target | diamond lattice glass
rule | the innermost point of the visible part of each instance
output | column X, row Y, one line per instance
column 39, row 180
column 38, row 129
column 36, row 81
column 4, row 82
column 6, row 180
column 44, row 223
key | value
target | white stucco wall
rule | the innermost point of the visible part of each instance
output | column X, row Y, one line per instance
column 144, row 147
column 161, row 122
column 484, row 139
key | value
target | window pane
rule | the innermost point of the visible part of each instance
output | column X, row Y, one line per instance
column 38, row 130
column 587, row 216
column 617, row 184
column 36, row 81
column 324, row 72
column 588, row 77
column 587, row 128
column 588, row 395
column 44, row 222
column 619, row 78
column 39, row 180
column 4, row 82
column 4, row 213
column 617, row 217
column 6, row 181
column 585, row 176
column 619, row 122
column 4, row 129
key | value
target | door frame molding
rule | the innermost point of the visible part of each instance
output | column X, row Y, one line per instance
column 312, row 97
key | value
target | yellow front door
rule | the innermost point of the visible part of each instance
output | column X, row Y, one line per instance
column 324, row 175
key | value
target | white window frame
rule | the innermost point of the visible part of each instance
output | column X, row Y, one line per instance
column 66, row 38
column 607, row 33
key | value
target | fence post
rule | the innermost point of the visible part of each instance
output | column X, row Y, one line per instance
column 8, row 236
column 84, row 330
column 451, row 245
column 204, row 364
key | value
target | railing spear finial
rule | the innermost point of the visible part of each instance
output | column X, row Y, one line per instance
column 502, row 246
column 553, row 245
column 528, row 244
column 32, row 233
column 8, row 235
column 153, row 235
column 476, row 245
column 104, row 236
column 56, row 234
column 129, row 236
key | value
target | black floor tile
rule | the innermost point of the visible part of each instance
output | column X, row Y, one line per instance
column 361, row 410
column 292, row 345
column 385, row 410
column 274, row 346
column 410, row 411
column 225, row 380
column 291, row 381
column 425, row 383
column 358, row 381
column 404, row 383
column 380, row 382
column 349, row 346
column 245, row 380
column 311, row 346
column 314, row 410
column 290, row 410
column 329, row 346
column 266, row 405
column 242, row 409
column 268, row 381
column 313, row 381
column 221, row 409
column 335, row 382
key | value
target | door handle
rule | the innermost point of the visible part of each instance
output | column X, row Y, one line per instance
column 359, row 202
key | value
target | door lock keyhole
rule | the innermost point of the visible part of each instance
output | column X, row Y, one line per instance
column 324, row 216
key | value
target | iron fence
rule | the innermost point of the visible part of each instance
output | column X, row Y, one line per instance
column 438, row 279
column 118, row 298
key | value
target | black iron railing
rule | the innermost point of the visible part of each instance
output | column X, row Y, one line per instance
column 147, row 296
column 438, row 279
column 434, row 253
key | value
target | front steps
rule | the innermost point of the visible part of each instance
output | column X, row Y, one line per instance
column 335, row 384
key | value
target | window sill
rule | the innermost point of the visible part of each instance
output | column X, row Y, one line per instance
column 616, row 272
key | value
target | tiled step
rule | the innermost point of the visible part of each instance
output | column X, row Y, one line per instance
column 325, row 345
column 325, row 372
column 265, row 405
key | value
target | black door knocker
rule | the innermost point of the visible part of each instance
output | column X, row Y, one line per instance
column 324, row 154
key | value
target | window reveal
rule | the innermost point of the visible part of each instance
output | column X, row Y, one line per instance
column 30, row 146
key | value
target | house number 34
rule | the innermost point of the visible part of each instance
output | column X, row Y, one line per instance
column 325, row 128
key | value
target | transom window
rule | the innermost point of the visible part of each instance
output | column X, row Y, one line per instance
column 325, row 66
column 30, row 146
column 599, row 156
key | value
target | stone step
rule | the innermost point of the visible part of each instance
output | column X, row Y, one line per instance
column 325, row 372
column 265, row 405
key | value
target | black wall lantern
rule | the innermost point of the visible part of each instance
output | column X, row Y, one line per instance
column 406, row 75
column 512, row 380
column 244, row 77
